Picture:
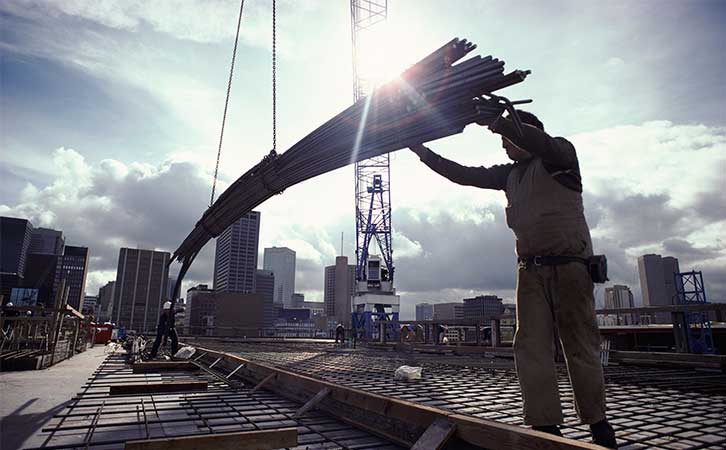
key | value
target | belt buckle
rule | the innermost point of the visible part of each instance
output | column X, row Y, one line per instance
column 537, row 260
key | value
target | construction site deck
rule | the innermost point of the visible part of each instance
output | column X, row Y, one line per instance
column 266, row 391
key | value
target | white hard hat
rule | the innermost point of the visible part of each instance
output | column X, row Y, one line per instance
column 167, row 305
column 9, row 304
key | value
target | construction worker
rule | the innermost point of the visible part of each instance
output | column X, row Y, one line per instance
column 340, row 334
column 166, row 328
column 554, row 287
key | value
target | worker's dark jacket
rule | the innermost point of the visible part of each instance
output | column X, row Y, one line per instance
column 166, row 321
column 544, row 193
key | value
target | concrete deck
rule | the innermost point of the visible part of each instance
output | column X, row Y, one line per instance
column 29, row 399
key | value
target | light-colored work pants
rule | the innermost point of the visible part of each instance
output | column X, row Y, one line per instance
column 548, row 297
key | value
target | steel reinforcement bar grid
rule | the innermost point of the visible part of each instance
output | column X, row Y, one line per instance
column 654, row 408
column 95, row 419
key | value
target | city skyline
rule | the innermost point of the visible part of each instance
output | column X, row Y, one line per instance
column 123, row 173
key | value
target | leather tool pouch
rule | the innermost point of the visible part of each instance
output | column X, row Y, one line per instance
column 598, row 267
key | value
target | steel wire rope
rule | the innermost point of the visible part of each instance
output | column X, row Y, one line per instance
column 226, row 101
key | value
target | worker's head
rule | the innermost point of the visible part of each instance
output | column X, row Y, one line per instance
column 167, row 305
column 514, row 152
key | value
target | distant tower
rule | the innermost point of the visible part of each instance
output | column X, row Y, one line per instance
column 657, row 282
column 73, row 267
column 140, row 290
column 235, row 259
column 281, row 261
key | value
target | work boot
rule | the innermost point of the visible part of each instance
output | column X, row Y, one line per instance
column 549, row 429
column 603, row 434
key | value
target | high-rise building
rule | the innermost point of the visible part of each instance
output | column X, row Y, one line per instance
column 281, row 261
column 618, row 297
column 482, row 307
column 265, row 286
column 15, row 235
column 170, row 288
column 105, row 300
column 141, row 282
column 199, row 314
column 657, row 284
column 448, row 311
column 73, row 268
column 339, row 289
column 235, row 259
column 46, row 241
column 424, row 311
column 40, row 274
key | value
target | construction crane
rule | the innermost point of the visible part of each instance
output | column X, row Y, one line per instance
column 375, row 297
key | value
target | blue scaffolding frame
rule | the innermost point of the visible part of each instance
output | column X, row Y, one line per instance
column 690, row 290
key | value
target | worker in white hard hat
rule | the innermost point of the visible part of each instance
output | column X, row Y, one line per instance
column 166, row 328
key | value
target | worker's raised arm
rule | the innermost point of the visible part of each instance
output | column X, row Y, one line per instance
column 557, row 151
column 494, row 177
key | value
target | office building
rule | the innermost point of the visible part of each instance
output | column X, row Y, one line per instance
column 89, row 305
column 199, row 316
column 339, row 289
column 214, row 313
column 15, row 236
column 141, row 282
column 105, row 301
column 265, row 286
column 40, row 272
column 281, row 261
column 235, row 259
column 619, row 297
column 448, row 311
column 45, row 241
column 73, row 268
column 483, row 307
column 657, row 275
column 424, row 311
column 316, row 308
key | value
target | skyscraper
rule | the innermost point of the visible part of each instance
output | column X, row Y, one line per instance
column 105, row 300
column 46, row 242
column 141, row 283
column 482, row 306
column 15, row 235
column 424, row 311
column 339, row 289
column 265, row 286
column 281, row 261
column 235, row 260
column 657, row 275
column 73, row 268
column 617, row 297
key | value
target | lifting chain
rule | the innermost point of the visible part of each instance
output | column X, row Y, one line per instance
column 274, row 76
column 226, row 101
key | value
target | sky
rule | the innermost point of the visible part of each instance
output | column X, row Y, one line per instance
column 110, row 116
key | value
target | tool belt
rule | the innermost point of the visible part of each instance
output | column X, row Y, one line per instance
column 597, row 265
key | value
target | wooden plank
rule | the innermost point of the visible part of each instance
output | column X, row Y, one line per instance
column 245, row 440
column 324, row 392
column 435, row 435
column 498, row 436
column 163, row 365
column 379, row 410
column 152, row 388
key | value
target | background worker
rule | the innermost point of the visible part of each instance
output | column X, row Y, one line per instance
column 166, row 328
column 554, row 287
column 340, row 334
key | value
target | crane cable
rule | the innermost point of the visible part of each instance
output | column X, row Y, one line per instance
column 274, row 76
column 226, row 101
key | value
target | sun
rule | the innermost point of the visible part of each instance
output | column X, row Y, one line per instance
column 383, row 53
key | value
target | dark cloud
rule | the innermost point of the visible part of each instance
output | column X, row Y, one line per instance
column 456, row 253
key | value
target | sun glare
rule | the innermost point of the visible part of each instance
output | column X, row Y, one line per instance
column 383, row 53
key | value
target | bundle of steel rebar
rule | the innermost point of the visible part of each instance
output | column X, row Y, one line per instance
column 434, row 98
